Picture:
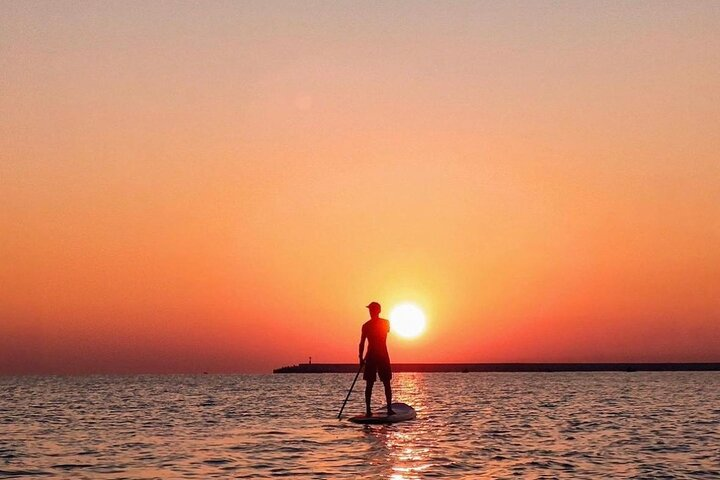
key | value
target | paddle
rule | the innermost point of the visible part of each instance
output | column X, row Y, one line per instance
column 351, row 389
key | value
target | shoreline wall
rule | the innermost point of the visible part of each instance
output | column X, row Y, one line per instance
column 506, row 367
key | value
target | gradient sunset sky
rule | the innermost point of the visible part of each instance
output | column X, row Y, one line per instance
column 223, row 186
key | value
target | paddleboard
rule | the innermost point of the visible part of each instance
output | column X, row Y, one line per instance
column 403, row 412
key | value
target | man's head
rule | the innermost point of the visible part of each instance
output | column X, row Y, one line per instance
column 374, row 308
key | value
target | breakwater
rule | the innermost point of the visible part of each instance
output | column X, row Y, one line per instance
column 506, row 367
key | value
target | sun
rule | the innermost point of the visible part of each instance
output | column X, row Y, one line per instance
column 407, row 320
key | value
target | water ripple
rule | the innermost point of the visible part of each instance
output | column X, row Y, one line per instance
column 476, row 425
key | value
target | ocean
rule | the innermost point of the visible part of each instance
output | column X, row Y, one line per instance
column 643, row 425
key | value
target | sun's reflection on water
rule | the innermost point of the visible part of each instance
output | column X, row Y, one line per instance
column 395, row 451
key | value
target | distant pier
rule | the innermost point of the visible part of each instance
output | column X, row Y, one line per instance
column 507, row 367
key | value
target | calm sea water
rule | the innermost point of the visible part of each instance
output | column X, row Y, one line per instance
column 475, row 425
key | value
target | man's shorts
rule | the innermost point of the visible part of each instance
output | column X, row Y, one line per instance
column 379, row 366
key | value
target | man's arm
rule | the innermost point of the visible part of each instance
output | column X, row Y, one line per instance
column 362, row 346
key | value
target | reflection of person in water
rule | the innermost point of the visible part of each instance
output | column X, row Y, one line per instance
column 377, row 359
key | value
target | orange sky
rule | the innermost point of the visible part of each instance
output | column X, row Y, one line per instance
column 223, row 186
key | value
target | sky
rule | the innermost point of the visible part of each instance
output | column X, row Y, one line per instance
column 223, row 186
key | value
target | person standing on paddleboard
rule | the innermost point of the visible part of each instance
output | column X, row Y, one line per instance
column 377, row 359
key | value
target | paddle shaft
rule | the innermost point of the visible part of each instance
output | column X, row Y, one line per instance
column 350, row 391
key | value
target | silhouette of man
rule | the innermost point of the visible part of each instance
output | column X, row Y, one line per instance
column 377, row 359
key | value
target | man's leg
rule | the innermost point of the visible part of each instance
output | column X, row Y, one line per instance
column 388, row 396
column 368, row 396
